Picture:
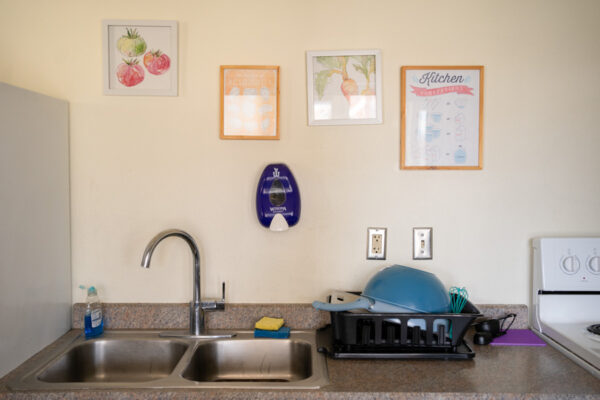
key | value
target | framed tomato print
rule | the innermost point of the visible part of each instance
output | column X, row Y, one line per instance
column 139, row 57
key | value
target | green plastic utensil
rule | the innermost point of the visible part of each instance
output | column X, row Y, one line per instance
column 458, row 299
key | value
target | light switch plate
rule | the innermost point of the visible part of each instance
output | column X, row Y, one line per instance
column 422, row 243
column 376, row 243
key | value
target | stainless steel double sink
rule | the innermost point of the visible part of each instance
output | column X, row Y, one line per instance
column 142, row 359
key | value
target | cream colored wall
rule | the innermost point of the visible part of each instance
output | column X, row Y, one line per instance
column 142, row 164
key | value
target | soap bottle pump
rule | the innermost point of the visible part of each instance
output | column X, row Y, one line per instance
column 93, row 321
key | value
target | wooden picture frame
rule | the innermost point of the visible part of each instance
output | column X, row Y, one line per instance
column 249, row 102
column 139, row 57
column 344, row 87
column 442, row 117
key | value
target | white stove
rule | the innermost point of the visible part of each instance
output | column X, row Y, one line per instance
column 566, row 297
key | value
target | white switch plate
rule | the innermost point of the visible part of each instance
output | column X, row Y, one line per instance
column 376, row 243
column 422, row 243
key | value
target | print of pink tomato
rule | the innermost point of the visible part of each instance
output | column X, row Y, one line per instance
column 157, row 62
column 130, row 73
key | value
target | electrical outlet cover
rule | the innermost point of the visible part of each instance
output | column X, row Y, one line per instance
column 376, row 243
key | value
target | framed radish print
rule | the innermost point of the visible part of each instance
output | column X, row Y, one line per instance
column 344, row 87
column 140, row 57
column 442, row 117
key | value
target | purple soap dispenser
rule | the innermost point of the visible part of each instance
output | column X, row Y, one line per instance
column 277, row 198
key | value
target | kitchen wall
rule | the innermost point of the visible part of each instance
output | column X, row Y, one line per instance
column 143, row 164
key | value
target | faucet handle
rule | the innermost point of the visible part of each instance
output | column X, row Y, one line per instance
column 215, row 305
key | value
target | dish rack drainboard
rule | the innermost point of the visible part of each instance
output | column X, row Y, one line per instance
column 398, row 335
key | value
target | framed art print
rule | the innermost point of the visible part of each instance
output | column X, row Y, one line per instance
column 344, row 87
column 139, row 57
column 442, row 117
column 249, row 102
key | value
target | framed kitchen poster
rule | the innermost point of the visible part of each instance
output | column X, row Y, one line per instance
column 249, row 102
column 442, row 113
column 344, row 87
column 139, row 57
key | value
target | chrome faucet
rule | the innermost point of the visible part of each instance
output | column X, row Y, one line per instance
column 197, row 307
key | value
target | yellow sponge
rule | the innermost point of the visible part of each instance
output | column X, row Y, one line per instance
column 269, row 324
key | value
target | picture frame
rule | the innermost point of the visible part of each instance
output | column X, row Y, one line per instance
column 442, row 117
column 140, row 58
column 250, row 102
column 344, row 87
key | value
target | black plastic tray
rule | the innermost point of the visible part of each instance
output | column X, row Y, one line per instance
column 460, row 352
column 390, row 335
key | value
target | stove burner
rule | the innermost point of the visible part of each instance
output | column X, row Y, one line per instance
column 595, row 329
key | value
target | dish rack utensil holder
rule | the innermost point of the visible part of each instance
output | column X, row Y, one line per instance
column 399, row 335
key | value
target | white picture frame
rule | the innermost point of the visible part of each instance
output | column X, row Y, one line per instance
column 340, row 87
column 143, row 63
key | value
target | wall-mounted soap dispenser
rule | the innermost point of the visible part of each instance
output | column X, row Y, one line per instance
column 277, row 198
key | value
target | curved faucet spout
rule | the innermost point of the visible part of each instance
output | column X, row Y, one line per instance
column 196, row 312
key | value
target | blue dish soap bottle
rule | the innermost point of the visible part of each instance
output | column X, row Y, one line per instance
column 93, row 321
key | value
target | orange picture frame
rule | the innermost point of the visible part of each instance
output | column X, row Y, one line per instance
column 442, row 117
column 249, row 102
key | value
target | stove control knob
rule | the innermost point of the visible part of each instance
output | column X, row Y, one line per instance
column 570, row 264
column 593, row 264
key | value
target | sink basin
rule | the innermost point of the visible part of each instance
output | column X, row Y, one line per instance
column 144, row 360
column 266, row 360
column 114, row 360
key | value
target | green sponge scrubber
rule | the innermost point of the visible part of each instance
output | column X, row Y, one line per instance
column 281, row 333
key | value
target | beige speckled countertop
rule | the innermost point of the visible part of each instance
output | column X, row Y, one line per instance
column 494, row 373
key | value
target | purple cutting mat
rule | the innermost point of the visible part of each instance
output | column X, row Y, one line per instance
column 518, row 337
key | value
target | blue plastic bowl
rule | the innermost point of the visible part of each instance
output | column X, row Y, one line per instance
column 409, row 288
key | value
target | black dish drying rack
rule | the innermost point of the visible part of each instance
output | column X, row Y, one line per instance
column 398, row 335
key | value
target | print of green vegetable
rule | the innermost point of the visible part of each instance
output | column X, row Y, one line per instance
column 131, row 44
column 366, row 66
column 338, row 65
